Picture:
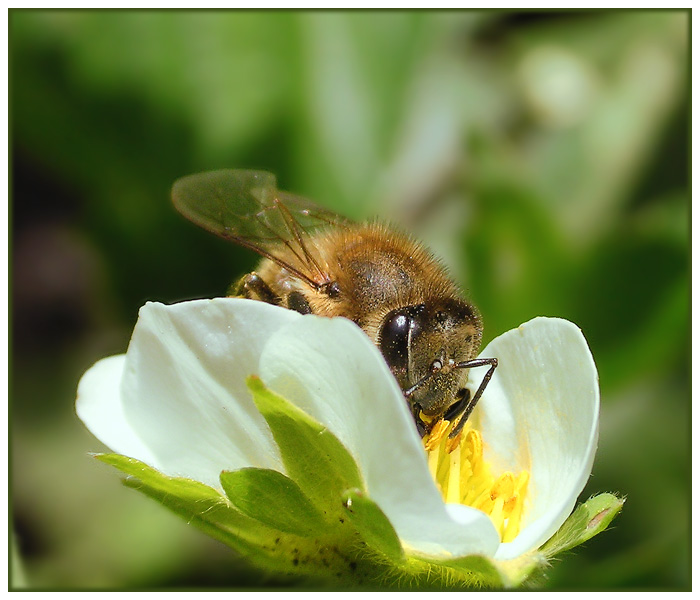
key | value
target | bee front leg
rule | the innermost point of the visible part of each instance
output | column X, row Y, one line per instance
column 252, row 286
column 467, row 402
column 461, row 404
column 422, row 427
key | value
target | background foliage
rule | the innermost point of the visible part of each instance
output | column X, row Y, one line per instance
column 543, row 156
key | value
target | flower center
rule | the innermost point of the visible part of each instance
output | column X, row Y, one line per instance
column 464, row 477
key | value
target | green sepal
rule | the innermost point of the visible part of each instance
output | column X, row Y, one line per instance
column 372, row 525
column 313, row 457
column 405, row 569
column 210, row 511
column 589, row 519
column 475, row 571
column 197, row 503
column 273, row 499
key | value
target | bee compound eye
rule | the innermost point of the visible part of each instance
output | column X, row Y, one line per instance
column 393, row 339
column 395, row 335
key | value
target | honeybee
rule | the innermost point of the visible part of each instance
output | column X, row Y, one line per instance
column 316, row 262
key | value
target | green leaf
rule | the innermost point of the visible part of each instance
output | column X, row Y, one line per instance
column 313, row 457
column 589, row 519
column 371, row 523
column 273, row 499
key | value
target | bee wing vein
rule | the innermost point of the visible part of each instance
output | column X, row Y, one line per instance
column 245, row 207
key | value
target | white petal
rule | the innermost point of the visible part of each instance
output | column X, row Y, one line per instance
column 330, row 369
column 184, row 407
column 99, row 406
column 540, row 413
column 184, row 389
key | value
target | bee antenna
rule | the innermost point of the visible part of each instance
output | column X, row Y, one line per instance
column 421, row 382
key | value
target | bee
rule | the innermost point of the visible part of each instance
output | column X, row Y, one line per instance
column 317, row 262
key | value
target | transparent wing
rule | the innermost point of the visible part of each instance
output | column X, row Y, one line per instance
column 247, row 208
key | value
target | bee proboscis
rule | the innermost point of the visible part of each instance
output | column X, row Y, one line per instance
column 316, row 262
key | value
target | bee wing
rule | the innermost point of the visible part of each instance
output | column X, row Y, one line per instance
column 247, row 208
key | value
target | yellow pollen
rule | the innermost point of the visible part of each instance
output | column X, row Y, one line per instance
column 464, row 477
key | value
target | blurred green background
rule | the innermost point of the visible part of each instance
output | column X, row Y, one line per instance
column 543, row 156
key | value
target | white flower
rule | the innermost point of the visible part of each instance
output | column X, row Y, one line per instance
column 178, row 401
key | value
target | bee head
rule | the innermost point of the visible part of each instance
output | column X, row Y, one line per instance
column 422, row 343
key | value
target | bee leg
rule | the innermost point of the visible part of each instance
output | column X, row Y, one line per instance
column 253, row 287
column 422, row 427
column 297, row 302
column 471, row 403
column 460, row 405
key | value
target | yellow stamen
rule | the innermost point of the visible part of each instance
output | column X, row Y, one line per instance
column 454, row 477
column 504, row 486
column 452, row 444
column 433, row 458
column 436, row 435
column 463, row 476
column 496, row 513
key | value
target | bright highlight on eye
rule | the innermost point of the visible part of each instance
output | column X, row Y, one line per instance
column 464, row 477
